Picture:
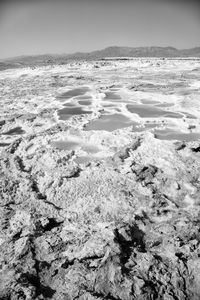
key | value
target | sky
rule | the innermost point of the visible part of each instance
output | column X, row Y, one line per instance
column 29, row 27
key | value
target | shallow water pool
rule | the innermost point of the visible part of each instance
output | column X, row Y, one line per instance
column 110, row 122
column 85, row 102
column 112, row 96
column 73, row 93
column 71, row 144
column 66, row 113
column 65, row 145
column 148, row 111
column 169, row 134
column 152, row 102
column 164, row 105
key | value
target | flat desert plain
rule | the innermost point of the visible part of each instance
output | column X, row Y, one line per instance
column 100, row 180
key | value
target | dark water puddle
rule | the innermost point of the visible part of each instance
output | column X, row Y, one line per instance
column 73, row 93
column 185, row 92
column 85, row 102
column 65, row 145
column 84, row 98
column 169, row 134
column 164, row 105
column 73, row 145
column 114, row 89
column 23, row 75
column 14, row 131
column 90, row 148
column 69, row 104
column 110, row 123
column 66, row 113
column 152, row 102
column 109, row 105
column 173, row 115
column 112, row 96
column 148, row 111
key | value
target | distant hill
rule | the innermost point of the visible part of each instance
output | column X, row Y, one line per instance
column 8, row 65
column 130, row 52
column 193, row 52
column 138, row 52
column 108, row 52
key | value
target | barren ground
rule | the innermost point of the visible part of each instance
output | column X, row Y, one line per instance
column 100, row 181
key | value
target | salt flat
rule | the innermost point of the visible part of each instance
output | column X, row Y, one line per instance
column 100, row 184
column 164, row 93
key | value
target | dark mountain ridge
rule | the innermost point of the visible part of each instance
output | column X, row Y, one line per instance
column 109, row 52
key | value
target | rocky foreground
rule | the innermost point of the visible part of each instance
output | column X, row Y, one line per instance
column 124, row 228
column 118, row 220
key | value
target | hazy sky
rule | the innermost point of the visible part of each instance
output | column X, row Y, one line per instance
column 47, row 26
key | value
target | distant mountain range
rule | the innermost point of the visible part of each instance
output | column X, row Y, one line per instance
column 109, row 52
column 138, row 52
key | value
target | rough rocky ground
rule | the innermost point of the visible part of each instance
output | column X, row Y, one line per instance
column 123, row 226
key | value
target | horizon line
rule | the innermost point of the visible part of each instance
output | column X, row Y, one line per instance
column 85, row 52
